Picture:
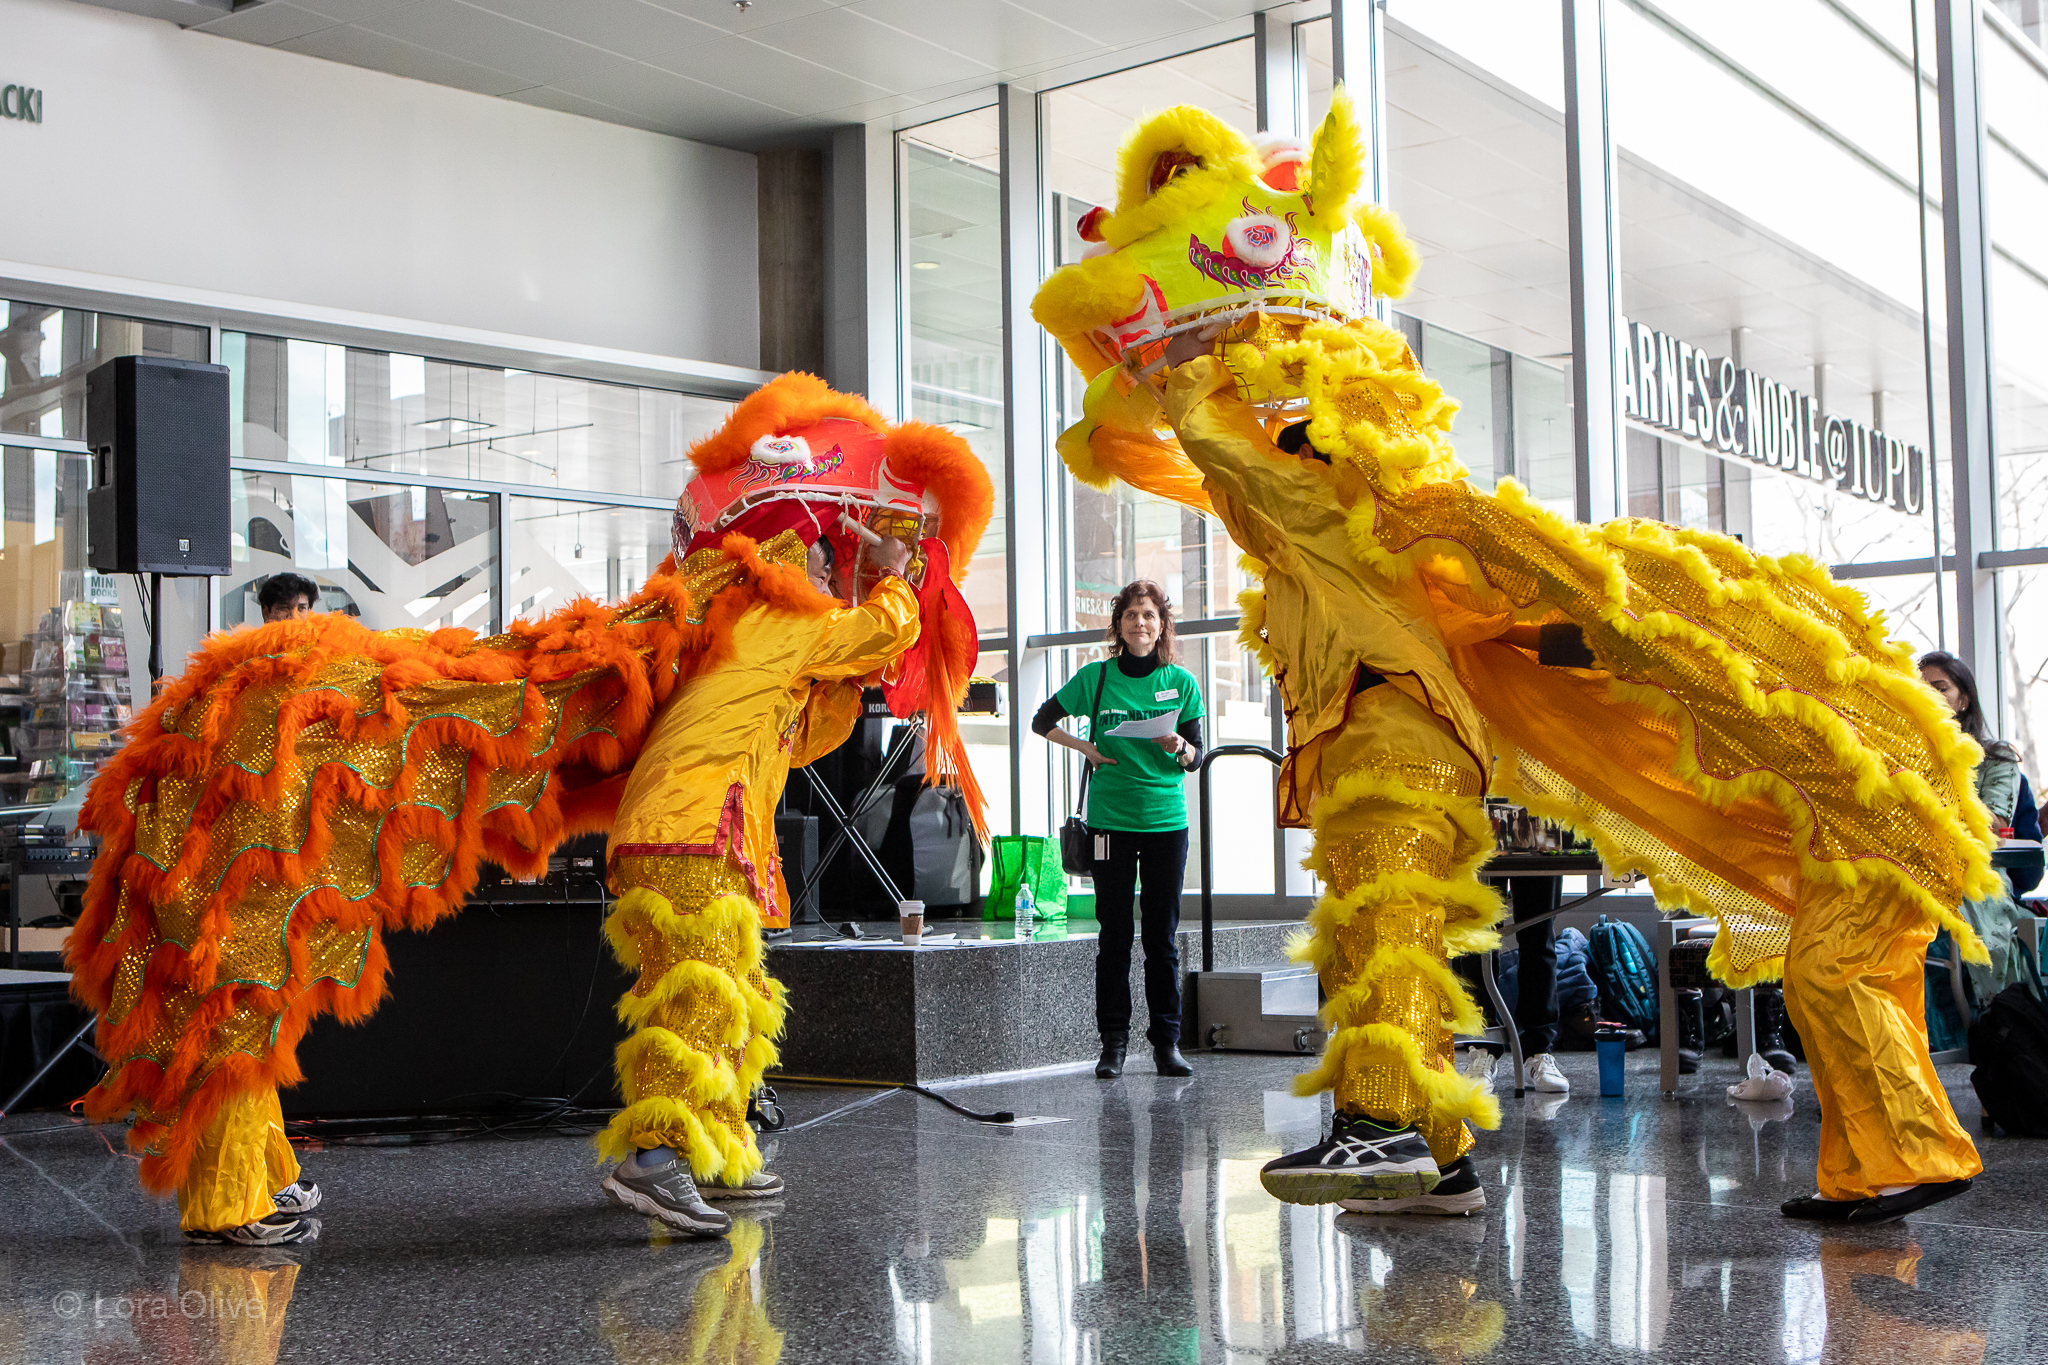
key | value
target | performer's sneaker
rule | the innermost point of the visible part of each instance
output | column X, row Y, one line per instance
column 301, row 1197
column 278, row 1230
column 759, row 1185
column 667, row 1193
column 1457, row 1194
column 1360, row 1159
column 1888, row 1208
column 1812, row 1208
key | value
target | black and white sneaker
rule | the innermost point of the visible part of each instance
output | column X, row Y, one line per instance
column 1360, row 1159
column 1457, row 1194
column 297, row 1199
column 667, row 1193
column 278, row 1230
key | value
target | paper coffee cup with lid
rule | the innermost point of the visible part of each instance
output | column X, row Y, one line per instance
column 910, row 914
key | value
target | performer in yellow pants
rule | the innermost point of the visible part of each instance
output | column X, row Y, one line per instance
column 1398, row 838
column 1737, row 729
column 244, row 1168
column 1855, row 986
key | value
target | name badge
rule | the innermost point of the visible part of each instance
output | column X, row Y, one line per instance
column 1168, row 695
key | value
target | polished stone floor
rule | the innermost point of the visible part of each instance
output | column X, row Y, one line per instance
column 1131, row 1228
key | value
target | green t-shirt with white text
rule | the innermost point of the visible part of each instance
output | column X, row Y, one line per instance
column 1144, row 791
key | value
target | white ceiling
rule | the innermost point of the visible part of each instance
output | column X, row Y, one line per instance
column 742, row 75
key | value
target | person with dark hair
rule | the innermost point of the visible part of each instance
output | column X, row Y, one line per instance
column 1998, row 787
column 1137, row 812
column 287, row 597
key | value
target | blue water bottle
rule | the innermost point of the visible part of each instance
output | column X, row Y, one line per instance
column 1026, row 908
column 1612, row 1045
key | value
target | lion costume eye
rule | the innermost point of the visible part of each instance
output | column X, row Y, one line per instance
column 1258, row 239
column 1169, row 164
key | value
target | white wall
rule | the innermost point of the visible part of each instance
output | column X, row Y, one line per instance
column 183, row 159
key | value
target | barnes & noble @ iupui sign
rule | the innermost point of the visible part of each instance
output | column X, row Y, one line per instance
column 1739, row 413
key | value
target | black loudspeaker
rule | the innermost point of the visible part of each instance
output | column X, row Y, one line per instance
column 796, row 842
column 158, row 430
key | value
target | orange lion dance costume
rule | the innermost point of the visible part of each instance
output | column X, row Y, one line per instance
column 307, row 787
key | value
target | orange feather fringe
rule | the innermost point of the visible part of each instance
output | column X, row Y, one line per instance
column 626, row 670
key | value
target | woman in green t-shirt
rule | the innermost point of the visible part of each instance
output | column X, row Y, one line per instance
column 1137, row 811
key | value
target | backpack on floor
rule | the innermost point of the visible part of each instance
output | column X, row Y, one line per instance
column 2009, row 1044
column 1626, row 974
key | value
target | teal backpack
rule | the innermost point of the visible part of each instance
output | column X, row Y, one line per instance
column 1626, row 974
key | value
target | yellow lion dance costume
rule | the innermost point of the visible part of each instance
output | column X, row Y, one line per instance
column 307, row 787
column 1735, row 728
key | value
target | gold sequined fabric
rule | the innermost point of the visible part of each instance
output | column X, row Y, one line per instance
column 691, row 1029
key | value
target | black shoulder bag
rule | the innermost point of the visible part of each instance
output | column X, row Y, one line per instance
column 1077, row 843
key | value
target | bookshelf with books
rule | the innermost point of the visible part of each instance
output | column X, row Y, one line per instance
column 71, row 700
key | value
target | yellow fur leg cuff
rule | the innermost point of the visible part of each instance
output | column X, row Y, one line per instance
column 1449, row 1096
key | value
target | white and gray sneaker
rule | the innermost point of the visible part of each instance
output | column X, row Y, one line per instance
column 301, row 1197
column 278, row 1230
column 1540, row 1073
column 665, row 1192
column 1457, row 1194
column 1360, row 1159
column 759, row 1185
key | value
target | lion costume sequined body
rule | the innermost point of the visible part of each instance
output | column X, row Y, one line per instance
column 307, row 787
column 1744, row 734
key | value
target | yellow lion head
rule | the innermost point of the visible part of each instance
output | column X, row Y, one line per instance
column 1268, row 240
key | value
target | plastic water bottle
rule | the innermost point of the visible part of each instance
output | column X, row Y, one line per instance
column 1026, row 908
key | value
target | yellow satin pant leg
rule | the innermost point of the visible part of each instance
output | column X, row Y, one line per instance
column 242, row 1161
column 1854, row 989
column 705, row 1013
column 1396, row 844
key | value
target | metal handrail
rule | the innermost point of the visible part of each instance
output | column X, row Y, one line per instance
column 1208, row 899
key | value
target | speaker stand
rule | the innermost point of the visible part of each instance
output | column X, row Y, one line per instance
column 156, row 632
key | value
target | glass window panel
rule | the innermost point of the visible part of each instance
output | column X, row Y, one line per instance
column 1085, row 123
column 2023, row 646
column 1908, row 604
column 954, row 273
column 392, row 555
column 1475, row 158
column 558, row 551
column 46, row 353
column 74, row 647
column 312, row 403
column 2016, row 191
column 1111, row 537
column 1795, row 259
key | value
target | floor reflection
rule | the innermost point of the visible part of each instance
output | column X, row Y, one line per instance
column 1637, row 1229
column 700, row 1304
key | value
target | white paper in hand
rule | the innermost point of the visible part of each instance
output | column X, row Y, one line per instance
column 1153, row 727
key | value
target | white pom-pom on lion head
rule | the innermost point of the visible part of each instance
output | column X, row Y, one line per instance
column 1258, row 239
column 781, row 450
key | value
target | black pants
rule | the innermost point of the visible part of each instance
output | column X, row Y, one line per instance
column 1160, row 861
column 1536, row 963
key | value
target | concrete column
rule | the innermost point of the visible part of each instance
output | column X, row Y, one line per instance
column 1602, row 491
column 863, row 313
column 1972, row 377
column 1027, row 477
